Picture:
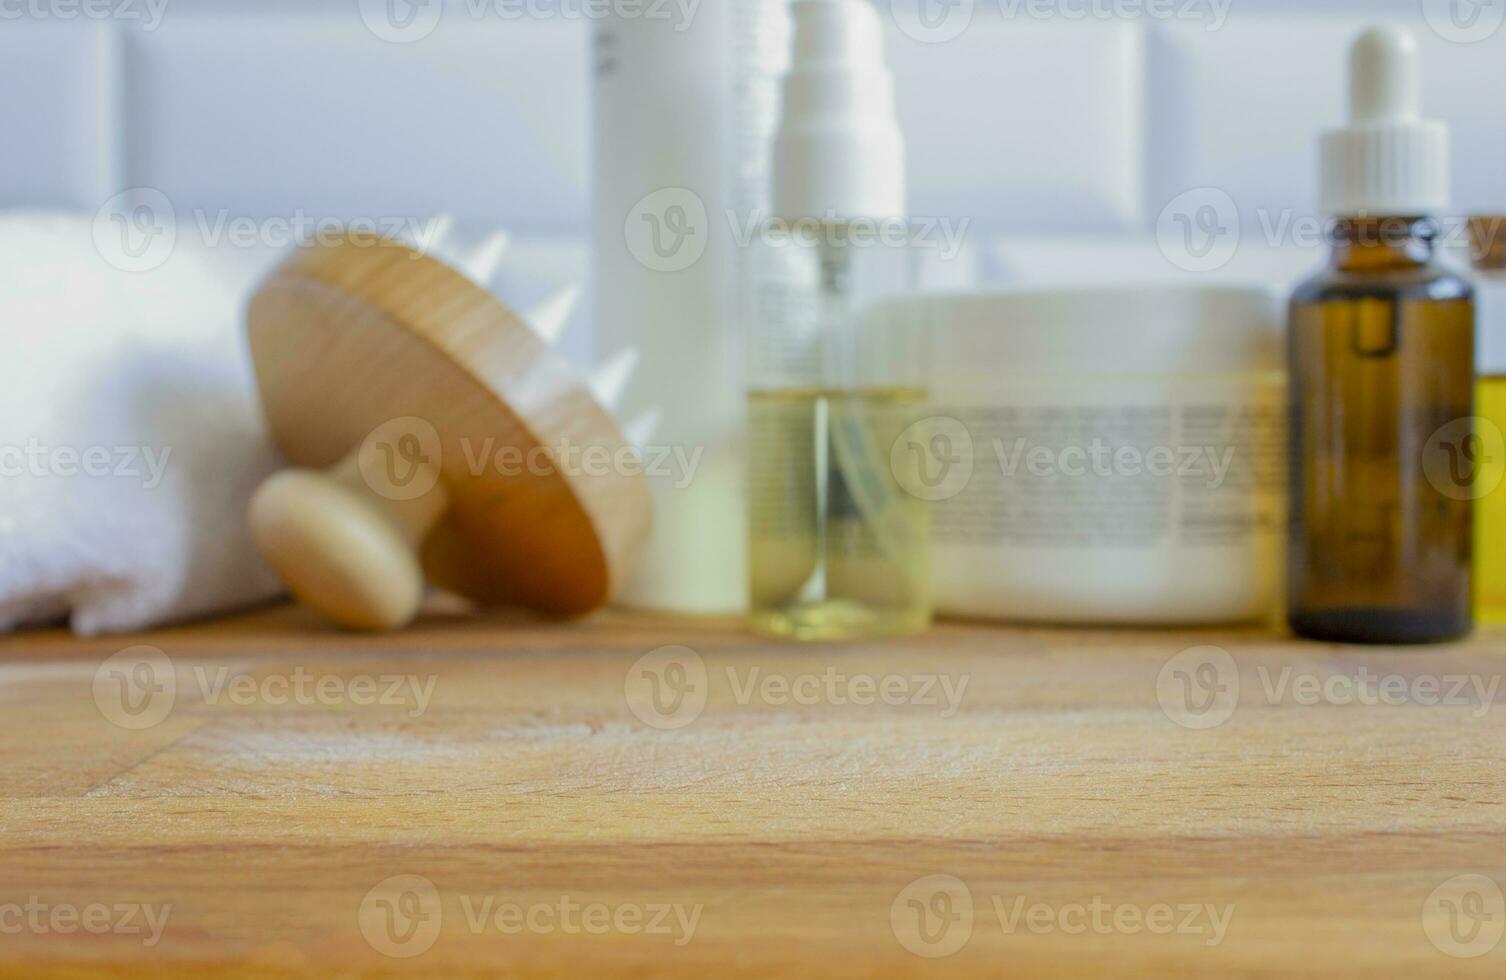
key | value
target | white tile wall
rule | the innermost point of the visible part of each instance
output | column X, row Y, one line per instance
column 1033, row 122
column 57, row 127
column 276, row 112
column 1030, row 123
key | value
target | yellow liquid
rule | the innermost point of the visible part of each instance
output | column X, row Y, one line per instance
column 838, row 550
column 1490, row 508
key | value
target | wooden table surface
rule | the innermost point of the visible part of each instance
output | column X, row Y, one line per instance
column 630, row 797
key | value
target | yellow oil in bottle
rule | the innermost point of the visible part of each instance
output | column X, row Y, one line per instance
column 1488, row 235
column 839, row 550
column 1490, row 508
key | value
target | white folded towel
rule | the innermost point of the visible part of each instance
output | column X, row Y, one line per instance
column 130, row 435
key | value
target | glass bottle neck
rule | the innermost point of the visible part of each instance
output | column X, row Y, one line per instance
column 1382, row 244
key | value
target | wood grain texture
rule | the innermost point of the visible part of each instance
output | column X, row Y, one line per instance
column 787, row 827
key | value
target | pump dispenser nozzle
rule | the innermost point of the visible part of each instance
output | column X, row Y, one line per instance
column 1388, row 161
column 839, row 152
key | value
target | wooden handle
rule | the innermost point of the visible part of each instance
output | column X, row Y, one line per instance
column 346, row 540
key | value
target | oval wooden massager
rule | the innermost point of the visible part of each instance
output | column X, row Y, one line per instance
column 432, row 429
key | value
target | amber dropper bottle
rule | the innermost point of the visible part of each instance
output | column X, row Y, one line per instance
column 1382, row 381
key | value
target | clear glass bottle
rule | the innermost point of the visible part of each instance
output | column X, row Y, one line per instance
column 838, row 548
column 1489, row 448
column 1382, row 367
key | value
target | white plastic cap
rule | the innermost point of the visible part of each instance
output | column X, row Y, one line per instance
column 1388, row 162
column 839, row 151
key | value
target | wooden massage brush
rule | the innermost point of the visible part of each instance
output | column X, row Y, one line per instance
column 436, row 437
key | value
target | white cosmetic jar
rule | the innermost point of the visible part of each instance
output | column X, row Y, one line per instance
column 1104, row 456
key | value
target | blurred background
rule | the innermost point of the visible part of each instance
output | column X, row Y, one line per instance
column 1068, row 134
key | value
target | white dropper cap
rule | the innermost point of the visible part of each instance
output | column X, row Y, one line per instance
column 839, row 151
column 1388, row 162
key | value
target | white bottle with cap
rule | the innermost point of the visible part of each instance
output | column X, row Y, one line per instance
column 1382, row 375
column 837, row 548
column 684, row 113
